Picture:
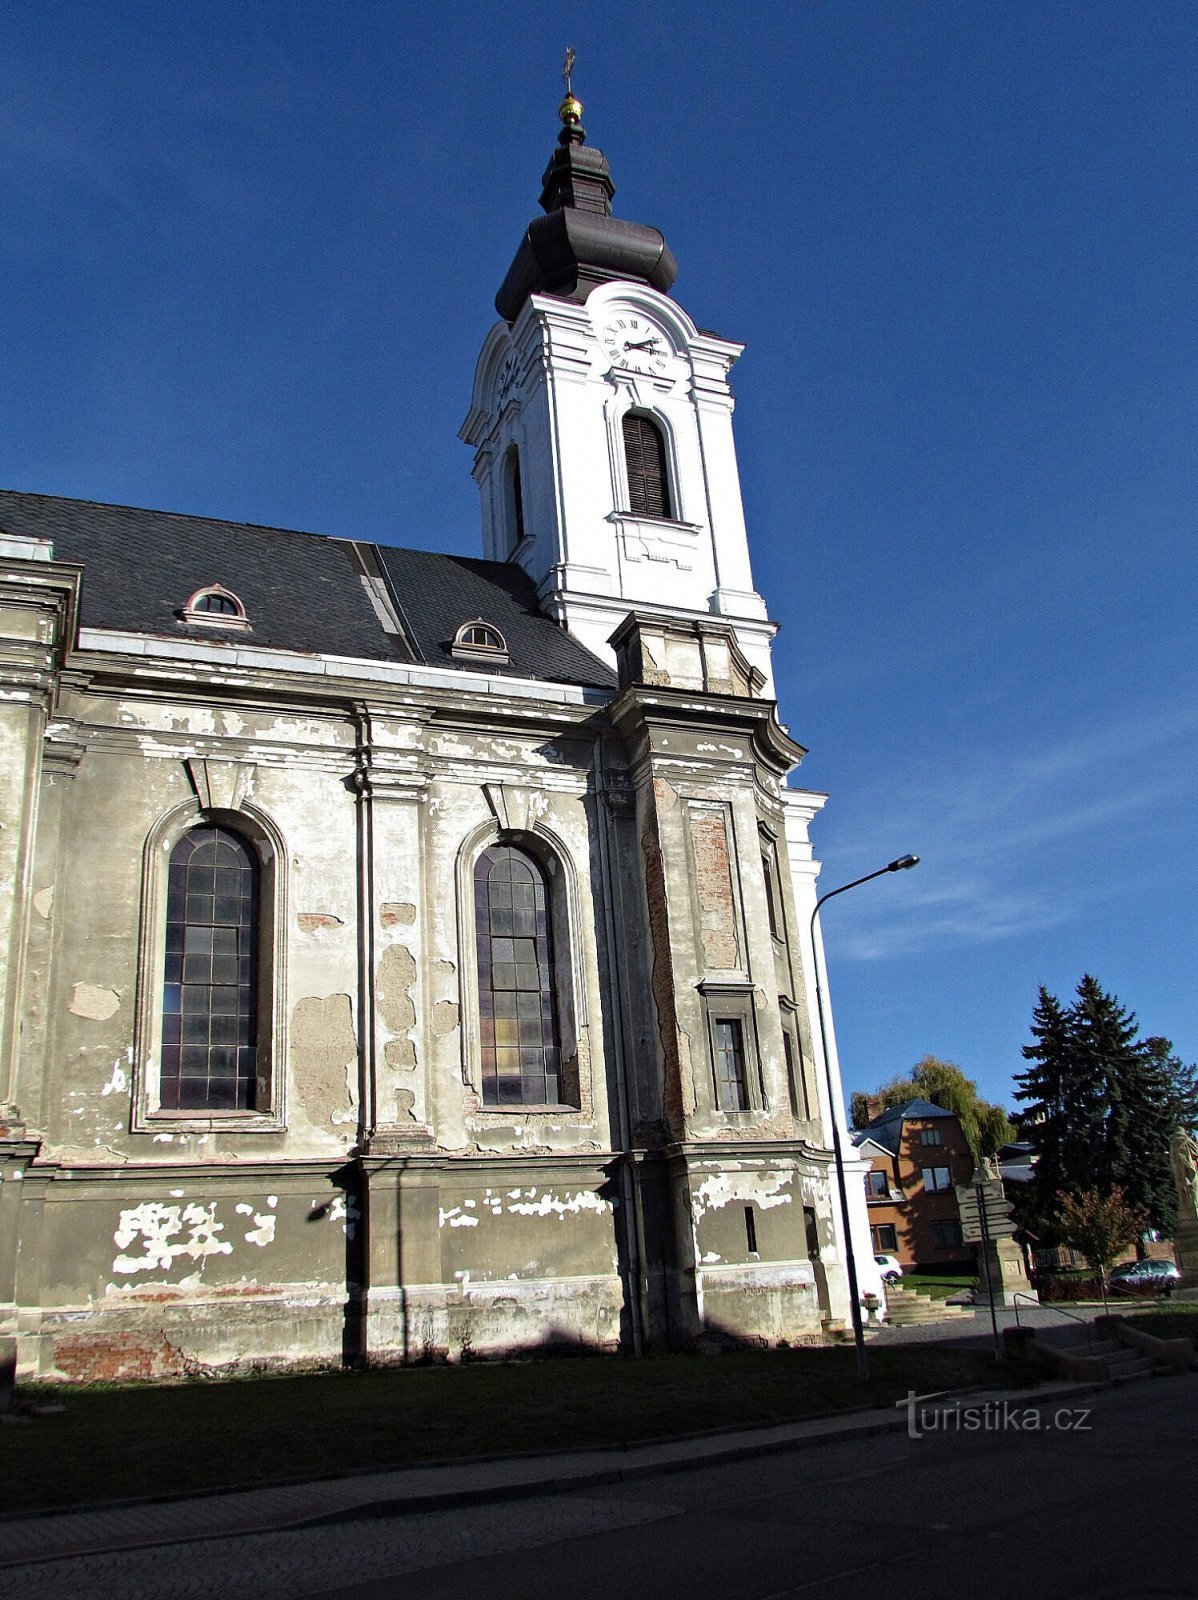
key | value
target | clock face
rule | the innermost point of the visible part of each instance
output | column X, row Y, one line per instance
column 634, row 344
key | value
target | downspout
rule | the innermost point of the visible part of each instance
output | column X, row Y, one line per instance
column 629, row 1187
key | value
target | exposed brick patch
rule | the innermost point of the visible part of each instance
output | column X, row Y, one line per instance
column 713, row 880
column 662, row 982
column 116, row 1358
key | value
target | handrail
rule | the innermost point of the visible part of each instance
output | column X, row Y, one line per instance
column 1019, row 1295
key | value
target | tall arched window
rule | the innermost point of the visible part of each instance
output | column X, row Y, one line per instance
column 513, row 496
column 210, row 990
column 645, row 459
column 521, row 1057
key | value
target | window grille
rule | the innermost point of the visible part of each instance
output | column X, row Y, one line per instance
column 210, row 989
column 521, row 1057
column 731, row 1082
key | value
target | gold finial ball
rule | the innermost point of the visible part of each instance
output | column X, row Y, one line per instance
column 570, row 110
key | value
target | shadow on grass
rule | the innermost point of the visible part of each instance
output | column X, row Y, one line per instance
column 132, row 1441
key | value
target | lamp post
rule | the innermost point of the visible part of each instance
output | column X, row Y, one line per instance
column 850, row 1260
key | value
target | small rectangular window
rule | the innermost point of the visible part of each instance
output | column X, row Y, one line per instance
column 877, row 1185
column 937, row 1179
column 771, row 898
column 930, row 1136
column 794, row 1083
column 885, row 1237
column 731, row 1081
column 751, row 1230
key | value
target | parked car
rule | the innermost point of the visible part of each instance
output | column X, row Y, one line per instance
column 1145, row 1277
column 891, row 1271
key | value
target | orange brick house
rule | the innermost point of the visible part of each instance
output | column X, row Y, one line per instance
column 917, row 1153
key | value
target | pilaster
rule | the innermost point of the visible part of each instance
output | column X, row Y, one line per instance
column 38, row 602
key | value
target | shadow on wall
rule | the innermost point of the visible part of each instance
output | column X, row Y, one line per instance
column 562, row 1342
column 347, row 1202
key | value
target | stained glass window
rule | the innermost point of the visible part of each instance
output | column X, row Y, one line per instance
column 521, row 1062
column 210, row 992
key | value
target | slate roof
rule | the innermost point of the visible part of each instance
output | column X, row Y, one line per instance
column 303, row 592
column 887, row 1129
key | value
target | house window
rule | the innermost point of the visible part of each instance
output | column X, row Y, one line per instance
column 946, row 1233
column 521, row 1057
column 877, row 1185
column 732, row 1087
column 930, row 1136
column 645, row 460
column 885, row 1238
column 937, row 1179
column 209, row 1051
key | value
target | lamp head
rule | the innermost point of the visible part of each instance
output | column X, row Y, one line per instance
column 902, row 864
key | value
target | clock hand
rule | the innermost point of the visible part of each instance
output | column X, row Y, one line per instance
column 642, row 344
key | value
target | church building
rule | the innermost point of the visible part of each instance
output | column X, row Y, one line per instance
column 406, row 956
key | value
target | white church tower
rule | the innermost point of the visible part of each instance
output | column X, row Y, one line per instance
column 601, row 421
column 602, row 424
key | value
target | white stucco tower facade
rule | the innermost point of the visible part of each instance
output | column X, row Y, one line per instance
column 551, row 395
column 589, row 341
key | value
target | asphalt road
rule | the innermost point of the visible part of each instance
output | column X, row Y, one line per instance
column 1101, row 1509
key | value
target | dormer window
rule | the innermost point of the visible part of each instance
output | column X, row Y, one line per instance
column 480, row 640
column 214, row 606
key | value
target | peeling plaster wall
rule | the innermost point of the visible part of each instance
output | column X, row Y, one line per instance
column 502, row 1257
column 181, row 1270
column 150, row 1247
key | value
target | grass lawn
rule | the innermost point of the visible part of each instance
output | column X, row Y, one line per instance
column 938, row 1285
column 1165, row 1321
column 118, row 1442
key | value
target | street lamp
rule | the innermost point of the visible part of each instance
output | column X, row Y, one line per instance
column 901, row 865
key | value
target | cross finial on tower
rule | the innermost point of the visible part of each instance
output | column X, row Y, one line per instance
column 570, row 110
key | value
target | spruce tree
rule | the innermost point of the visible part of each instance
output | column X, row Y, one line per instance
column 1131, row 1150
column 1101, row 1105
column 1044, row 1090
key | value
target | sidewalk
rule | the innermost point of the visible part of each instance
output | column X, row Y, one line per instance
column 130, row 1525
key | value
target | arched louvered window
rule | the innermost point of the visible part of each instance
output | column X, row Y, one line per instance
column 645, row 458
column 521, row 1057
column 210, row 990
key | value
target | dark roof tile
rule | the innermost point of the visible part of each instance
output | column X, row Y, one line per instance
column 303, row 592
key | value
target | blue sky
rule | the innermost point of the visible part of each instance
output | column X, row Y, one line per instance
column 249, row 256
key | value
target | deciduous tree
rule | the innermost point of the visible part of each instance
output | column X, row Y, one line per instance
column 1100, row 1224
column 986, row 1127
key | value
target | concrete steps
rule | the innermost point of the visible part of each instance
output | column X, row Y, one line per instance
column 1108, row 1351
column 907, row 1307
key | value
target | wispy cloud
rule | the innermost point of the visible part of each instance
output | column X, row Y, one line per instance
column 1011, row 843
